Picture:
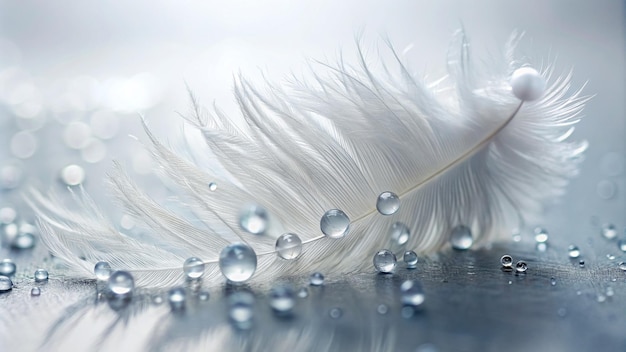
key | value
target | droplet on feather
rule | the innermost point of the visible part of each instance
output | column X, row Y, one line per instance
column 288, row 246
column 193, row 268
column 410, row 258
column 253, row 218
column 387, row 203
column 385, row 261
column 121, row 284
column 102, row 270
column 237, row 262
column 399, row 233
column 527, row 84
column 335, row 223
column 461, row 238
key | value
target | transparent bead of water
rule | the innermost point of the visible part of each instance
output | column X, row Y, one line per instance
column 5, row 283
column 41, row 275
column 121, row 284
column 241, row 309
column 399, row 233
column 335, row 313
column 193, row 268
column 288, row 246
column 553, row 281
column 102, row 270
column 385, row 261
column 521, row 266
column 609, row 231
column 7, row 267
column 35, row 291
column 177, row 297
column 212, row 186
column 461, row 238
column 410, row 258
column 24, row 240
column 303, row 292
column 335, row 223
column 506, row 261
column 382, row 309
column 411, row 293
column 388, row 203
column 237, row 262
column 254, row 219
column 622, row 266
column 204, row 295
column 621, row 244
column 541, row 235
column 282, row 299
column 573, row 251
column 581, row 263
column 316, row 279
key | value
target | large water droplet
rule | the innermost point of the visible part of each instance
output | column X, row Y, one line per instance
column 41, row 275
column 609, row 231
column 121, row 284
column 573, row 251
column 541, row 235
column 387, row 203
column 253, row 218
column 35, row 291
column 5, row 283
column 282, row 299
column 412, row 293
column 102, row 270
column 335, row 223
column 521, row 266
column 506, row 261
column 237, row 262
column 410, row 258
column 316, row 279
column 7, row 267
column 399, row 233
column 288, row 246
column 193, row 267
column 177, row 298
column 461, row 238
column 385, row 261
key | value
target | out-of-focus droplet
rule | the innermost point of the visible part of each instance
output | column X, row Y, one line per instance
column 609, row 231
column 254, row 219
column 388, row 203
column 382, row 309
column 581, row 263
column 10, row 176
column 177, row 298
column 622, row 266
column 335, row 313
column 303, row 292
column 241, row 309
column 412, row 293
column 606, row 189
column 94, row 151
column 461, row 238
column 621, row 244
column 204, row 295
column 541, row 235
column 399, row 233
column 23, row 144
column 23, row 240
column 335, row 223
column 7, row 215
column 573, row 251
column 73, row 175
column 552, row 281
column 282, row 299
column 104, row 124
column 76, row 135
column 7, row 267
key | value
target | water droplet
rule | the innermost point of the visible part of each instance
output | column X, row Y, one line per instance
column 335, row 313
column 601, row 298
column 410, row 258
column 94, row 151
column 335, row 223
column 388, row 203
column 527, row 84
column 7, row 215
column 23, row 240
column 412, row 293
column 541, row 235
column 23, row 144
column 621, row 244
column 610, row 292
column 253, row 218
column 506, row 261
column 542, row 247
column 317, row 279
column 204, row 295
column 581, row 263
column 382, row 309
column 177, row 298
column 521, row 266
column 385, row 261
column 212, row 186
column 552, row 281
column 303, row 292
column 510, row 282
column 102, row 270
column 193, row 268
column 288, row 246
column 573, row 251
column 610, row 256
column 41, row 275
column 399, row 233
column 282, row 299
column 10, row 176
column 121, row 284
column 73, row 175
column 241, row 309
column 76, row 135
column 5, row 283
column 461, row 238
column 622, row 266
column 104, row 124
column 609, row 231
column 35, row 291
column 517, row 236
column 237, row 262
column 157, row 299
column 606, row 189
column 7, row 267
column 407, row 312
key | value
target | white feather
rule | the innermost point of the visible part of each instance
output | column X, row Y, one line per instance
column 467, row 153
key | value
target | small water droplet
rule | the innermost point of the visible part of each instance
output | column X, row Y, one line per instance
column 601, row 298
column 23, row 144
column 288, row 246
column 541, row 235
column 204, row 295
column 121, row 284
column 517, row 236
column 506, row 261
column 621, row 244
column 510, row 282
column 282, row 299
column 237, row 262
column 23, row 240
column 573, row 251
column 382, row 309
column 335, row 223
column 73, row 175
column 335, row 313
column 606, row 189
column 303, row 292
column 581, row 263
column 316, row 279
column 5, row 283
column 412, row 293
column 102, row 270
column 41, row 275
column 241, row 309
column 399, row 233
column 622, row 266
column 212, row 186
column 177, row 297
column 609, row 231
column 461, row 238
column 35, row 291
column 193, row 268
column 521, row 266
column 385, row 261
column 610, row 256
column 388, row 203
column 7, row 215
column 411, row 259
column 542, row 247
column 7, row 267
column 254, row 219
column 553, row 281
